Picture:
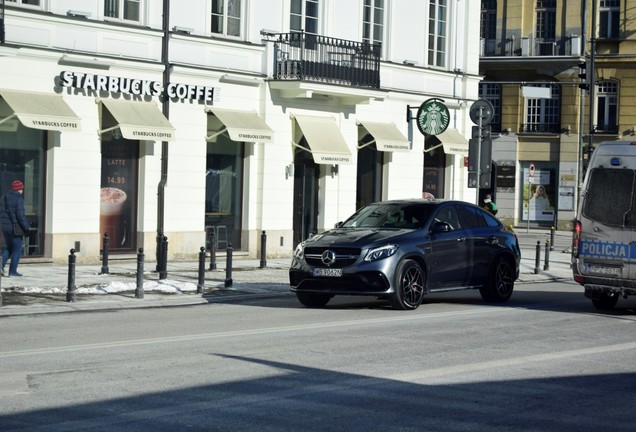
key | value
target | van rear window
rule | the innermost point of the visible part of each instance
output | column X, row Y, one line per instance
column 610, row 197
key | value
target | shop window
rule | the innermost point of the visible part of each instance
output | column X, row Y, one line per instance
column 223, row 192
column 125, row 10
column 437, row 32
column 22, row 157
column 539, row 193
column 226, row 17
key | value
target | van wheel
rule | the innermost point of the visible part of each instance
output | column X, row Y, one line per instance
column 605, row 301
column 500, row 283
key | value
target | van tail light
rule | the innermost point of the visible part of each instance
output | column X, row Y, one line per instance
column 576, row 239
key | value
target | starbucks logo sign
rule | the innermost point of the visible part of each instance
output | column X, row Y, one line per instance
column 432, row 117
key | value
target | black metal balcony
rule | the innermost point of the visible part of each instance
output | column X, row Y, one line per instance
column 308, row 57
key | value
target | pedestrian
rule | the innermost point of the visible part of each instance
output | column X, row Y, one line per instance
column 14, row 226
column 489, row 205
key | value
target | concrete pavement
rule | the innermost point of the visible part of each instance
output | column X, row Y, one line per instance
column 44, row 286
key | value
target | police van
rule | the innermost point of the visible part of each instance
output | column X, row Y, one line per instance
column 604, row 241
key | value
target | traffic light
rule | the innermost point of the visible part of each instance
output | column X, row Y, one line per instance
column 583, row 85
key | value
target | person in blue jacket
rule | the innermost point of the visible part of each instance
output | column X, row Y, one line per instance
column 12, row 215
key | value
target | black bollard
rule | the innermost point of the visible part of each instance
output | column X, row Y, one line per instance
column 163, row 268
column 70, row 293
column 546, row 264
column 139, row 290
column 228, row 266
column 263, row 250
column 212, row 250
column 0, row 290
column 105, row 254
column 201, row 271
column 537, row 262
column 552, row 239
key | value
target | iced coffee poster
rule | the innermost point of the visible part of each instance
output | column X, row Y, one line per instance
column 119, row 193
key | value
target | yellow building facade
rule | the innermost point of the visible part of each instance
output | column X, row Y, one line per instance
column 537, row 59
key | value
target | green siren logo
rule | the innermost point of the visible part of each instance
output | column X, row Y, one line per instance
column 432, row 117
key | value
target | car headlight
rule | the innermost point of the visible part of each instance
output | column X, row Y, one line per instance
column 299, row 252
column 381, row 252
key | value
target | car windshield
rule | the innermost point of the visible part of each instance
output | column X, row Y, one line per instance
column 390, row 215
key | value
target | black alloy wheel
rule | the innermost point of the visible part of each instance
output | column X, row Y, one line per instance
column 500, row 283
column 409, row 286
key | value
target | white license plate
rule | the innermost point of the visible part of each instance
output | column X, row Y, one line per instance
column 327, row 272
column 605, row 270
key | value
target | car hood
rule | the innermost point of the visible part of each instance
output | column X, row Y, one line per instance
column 355, row 237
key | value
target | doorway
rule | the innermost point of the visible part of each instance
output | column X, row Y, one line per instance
column 306, row 176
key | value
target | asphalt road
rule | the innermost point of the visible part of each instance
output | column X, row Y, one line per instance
column 544, row 361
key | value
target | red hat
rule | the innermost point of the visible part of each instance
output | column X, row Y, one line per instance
column 17, row 185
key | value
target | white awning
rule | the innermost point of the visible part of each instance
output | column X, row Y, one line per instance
column 327, row 145
column 386, row 136
column 453, row 142
column 40, row 110
column 139, row 120
column 242, row 126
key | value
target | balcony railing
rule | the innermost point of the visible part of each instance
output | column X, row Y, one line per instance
column 530, row 47
column 308, row 57
column 540, row 128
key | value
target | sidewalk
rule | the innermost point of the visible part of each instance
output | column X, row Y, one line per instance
column 44, row 287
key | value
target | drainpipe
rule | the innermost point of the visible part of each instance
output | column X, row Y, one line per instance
column 1, row 21
column 161, row 192
column 591, row 79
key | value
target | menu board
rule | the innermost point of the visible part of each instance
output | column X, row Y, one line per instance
column 118, row 195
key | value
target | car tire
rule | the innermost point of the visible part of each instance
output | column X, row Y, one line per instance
column 501, row 282
column 313, row 300
column 409, row 286
column 605, row 301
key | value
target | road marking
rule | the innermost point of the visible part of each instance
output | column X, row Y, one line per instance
column 514, row 361
column 249, row 332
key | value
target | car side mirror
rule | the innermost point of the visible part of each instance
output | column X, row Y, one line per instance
column 440, row 227
column 338, row 224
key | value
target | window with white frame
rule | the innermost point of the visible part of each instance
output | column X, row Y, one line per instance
column 226, row 17
column 437, row 32
column 373, row 22
column 25, row 2
column 124, row 10
column 304, row 16
column 544, row 114
column 608, row 17
column 606, row 106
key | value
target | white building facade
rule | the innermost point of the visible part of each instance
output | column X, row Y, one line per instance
column 155, row 120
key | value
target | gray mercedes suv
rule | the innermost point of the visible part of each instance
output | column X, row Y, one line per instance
column 403, row 249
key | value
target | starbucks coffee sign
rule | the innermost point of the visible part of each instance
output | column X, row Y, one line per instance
column 432, row 117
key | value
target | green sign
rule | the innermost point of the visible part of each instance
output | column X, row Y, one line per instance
column 432, row 117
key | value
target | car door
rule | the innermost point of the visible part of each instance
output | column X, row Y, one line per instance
column 481, row 243
column 448, row 250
